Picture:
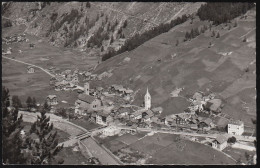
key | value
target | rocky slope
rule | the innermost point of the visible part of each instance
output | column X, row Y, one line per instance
column 73, row 24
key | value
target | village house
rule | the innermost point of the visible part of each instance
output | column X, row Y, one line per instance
column 147, row 115
column 236, row 127
column 193, row 126
column 157, row 110
column 170, row 120
column 208, row 123
column 180, row 120
column 104, row 118
column 220, row 142
column 128, row 92
column 30, row 69
column 52, row 100
column 87, row 102
column 214, row 106
column 52, row 81
column 137, row 115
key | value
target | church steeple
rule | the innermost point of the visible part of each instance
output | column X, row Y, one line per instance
column 147, row 100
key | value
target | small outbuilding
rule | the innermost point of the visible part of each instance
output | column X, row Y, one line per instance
column 30, row 69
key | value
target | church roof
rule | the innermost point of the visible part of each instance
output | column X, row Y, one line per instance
column 86, row 98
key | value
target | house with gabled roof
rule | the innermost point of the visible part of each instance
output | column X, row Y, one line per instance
column 52, row 100
column 87, row 102
column 220, row 142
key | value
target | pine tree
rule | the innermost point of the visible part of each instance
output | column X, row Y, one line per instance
column 177, row 42
column 11, row 139
column 34, row 102
column 46, row 107
column 111, row 40
column 125, row 24
column 88, row 5
column 229, row 27
column 29, row 103
column 218, row 35
column 45, row 147
column 16, row 102
column 235, row 24
column 213, row 33
column 244, row 40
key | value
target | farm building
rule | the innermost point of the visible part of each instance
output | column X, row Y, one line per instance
column 87, row 102
column 157, row 110
column 30, row 69
column 235, row 127
column 214, row 105
column 208, row 122
column 52, row 100
column 103, row 118
column 147, row 115
column 220, row 142
column 137, row 115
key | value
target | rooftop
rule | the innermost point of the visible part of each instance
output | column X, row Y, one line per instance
column 86, row 98
column 221, row 139
column 236, row 122
column 51, row 96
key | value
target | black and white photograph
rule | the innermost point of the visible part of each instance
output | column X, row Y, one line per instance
column 129, row 83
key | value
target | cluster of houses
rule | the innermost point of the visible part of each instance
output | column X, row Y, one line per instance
column 234, row 127
column 104, row 112
column 65, row 80
column 14, row 39
column 206, row 104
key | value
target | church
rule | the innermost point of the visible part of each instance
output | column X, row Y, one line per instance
column 147, row 100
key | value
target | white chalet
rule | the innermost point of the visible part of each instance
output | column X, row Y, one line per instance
column 235, row 127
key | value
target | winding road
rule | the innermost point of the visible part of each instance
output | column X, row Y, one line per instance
column 44, row 70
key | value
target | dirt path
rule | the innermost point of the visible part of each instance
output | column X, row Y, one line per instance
column 44, row 70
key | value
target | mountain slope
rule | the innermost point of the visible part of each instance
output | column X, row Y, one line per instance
column 73, row 24
column 162, row 66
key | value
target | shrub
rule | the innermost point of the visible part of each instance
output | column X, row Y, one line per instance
column 232, row 139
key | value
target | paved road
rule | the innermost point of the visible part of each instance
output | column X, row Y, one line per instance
column 44, row 70
column 238, row 137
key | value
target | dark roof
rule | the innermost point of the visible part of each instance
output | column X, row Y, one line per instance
column 208, row 121
column 236, row 122
column 86, row 98
column 157, row 109
column 221, row 139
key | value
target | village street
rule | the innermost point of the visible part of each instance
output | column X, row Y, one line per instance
column 213, row 136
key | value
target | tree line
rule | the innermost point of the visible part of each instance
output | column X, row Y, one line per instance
column 139, row 39
column 222, row 12
column 22, row 149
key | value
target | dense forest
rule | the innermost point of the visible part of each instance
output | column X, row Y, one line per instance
column 139, row 39
column 223, row 12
